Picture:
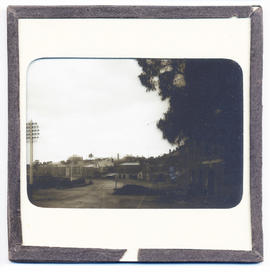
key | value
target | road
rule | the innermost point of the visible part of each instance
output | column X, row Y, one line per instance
column 97, row 195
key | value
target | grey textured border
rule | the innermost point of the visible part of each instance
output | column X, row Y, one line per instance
column 20, row 253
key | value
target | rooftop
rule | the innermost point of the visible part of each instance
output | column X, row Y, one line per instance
column 130, row 163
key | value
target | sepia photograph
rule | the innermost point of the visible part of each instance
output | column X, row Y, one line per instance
column 134, row 133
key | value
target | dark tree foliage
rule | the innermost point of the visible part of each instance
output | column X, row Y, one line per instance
column 205, row 101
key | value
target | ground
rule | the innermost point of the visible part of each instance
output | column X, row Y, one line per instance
column 100, row 194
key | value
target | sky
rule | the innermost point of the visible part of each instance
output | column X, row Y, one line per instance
column 96, row 106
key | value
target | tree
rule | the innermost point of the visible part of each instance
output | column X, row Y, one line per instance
column 205, row 99
column 36, row 164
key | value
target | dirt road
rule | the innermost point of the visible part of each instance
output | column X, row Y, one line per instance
column 98, row 195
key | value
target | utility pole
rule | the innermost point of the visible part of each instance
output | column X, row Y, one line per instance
column 115, row 181
column 32, row 134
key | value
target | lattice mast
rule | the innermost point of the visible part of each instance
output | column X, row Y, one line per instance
column 32, row 134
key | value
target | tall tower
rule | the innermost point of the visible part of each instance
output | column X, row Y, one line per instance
column 32, row 134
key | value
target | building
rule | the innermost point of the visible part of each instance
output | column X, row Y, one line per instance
column 202, row 171
column 129, row 170
column 74, row 168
